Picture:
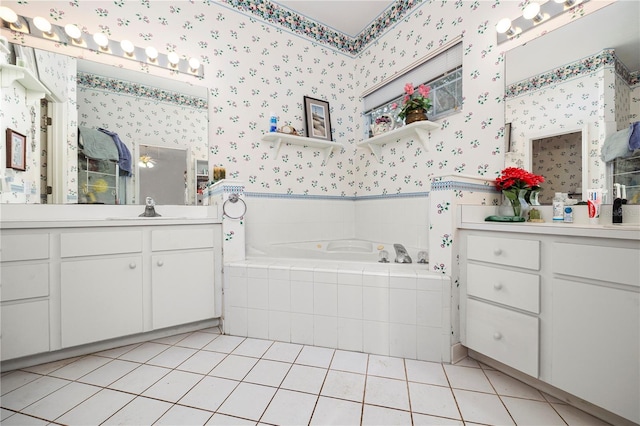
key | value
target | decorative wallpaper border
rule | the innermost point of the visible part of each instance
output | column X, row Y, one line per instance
column 586, row 65
column 93, row 81
column 334, row 197
column 302, row 25
column 450, row 185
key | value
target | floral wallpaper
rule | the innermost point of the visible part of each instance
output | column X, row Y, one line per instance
column 558, row 159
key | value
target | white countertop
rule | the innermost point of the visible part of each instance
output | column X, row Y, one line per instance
column 472, row 217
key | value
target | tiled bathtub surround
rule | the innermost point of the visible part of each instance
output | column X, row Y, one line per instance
column 382, row 309
column 274, row 219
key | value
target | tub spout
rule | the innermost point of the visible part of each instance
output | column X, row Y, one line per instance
column 401, row 254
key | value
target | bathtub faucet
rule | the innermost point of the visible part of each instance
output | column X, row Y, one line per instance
column 401, row 254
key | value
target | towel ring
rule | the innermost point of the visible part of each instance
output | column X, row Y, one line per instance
column 233, row 199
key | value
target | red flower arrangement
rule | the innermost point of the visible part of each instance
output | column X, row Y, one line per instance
column 517, row 178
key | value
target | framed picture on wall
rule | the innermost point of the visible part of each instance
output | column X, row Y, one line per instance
column 317, row 119
column 16, row 150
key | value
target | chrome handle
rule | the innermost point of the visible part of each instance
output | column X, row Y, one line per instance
column 160, row 263
column 497, row 335
column 497, row 286
column 497, row 252
column 132, row 265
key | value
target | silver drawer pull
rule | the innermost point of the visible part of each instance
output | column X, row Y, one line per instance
column 497, row 252
column 497, row 286
column 132, row 265
column 160, row 263
column 497, row 335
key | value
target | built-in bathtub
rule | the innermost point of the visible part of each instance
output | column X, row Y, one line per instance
column 341, row 250
column 336, row 294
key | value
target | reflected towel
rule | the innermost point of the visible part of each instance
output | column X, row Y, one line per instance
column 616, row 145
column 634, row 136
column 97, row 145
column 124, row 155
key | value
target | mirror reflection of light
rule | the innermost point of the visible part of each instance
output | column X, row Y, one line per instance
column 146, row 162
column 8, row 15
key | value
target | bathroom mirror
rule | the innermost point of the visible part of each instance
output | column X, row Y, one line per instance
column 560, row 109
column 143, row 109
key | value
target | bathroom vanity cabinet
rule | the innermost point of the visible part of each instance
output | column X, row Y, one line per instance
column 79, row 283
column 558, row 305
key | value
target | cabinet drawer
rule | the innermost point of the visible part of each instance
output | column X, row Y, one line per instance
column 518, row 289
column 24, row 281
column 180, row 239
column 504, row 335
column 24, row 247
column 611, row 264
column 25, row 329
column 505, row 251
column 74, row 244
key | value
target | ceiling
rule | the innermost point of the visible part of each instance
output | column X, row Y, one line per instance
column 346, row 16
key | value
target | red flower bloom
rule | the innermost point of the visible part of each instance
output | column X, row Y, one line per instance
column 517, row 178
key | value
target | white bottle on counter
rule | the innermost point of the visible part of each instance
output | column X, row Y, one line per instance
column 558, row 207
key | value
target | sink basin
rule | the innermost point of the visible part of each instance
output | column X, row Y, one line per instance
column 145, row 218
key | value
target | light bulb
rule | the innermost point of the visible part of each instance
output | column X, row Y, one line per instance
column 73, row 32
column 173, row 58
column 127, row 46
column 101, row 40
column 194, row 64
column 532, row 11
column 10, row 16
column 43, row 25
column 504, row 26
column 152, row 53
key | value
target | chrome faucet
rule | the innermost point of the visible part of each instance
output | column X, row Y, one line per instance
column 401, row 254
column 149, row 209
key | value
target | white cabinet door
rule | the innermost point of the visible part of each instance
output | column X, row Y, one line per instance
column 100, row 299
column 596, row 345
column 182, row 287
column 25, row 329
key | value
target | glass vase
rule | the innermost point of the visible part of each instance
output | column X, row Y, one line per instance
column 516, row 198
column 534, row 194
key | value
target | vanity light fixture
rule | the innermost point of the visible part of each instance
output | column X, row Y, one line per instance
column 532, row 11
column 194, row 64
column 533, row 14
column 173, row 59
column 71, row 35
column 146, row 162
column 152, row 53
column 127, row 47
column 101, row 40
column 74, row 32
column 11, row 18
column 504, row 27
column 43, row 25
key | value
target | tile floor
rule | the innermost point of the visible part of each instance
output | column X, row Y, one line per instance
column 206, row 378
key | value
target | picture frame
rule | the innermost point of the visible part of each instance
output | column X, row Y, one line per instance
column 317, row 118
column 16, row 150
